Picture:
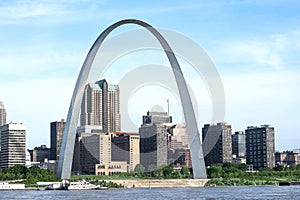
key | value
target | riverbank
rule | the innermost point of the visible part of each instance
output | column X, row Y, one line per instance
column 150, row 183
column 162, row 183
column 246, row 192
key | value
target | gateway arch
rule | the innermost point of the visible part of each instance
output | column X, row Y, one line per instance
column 67, row 147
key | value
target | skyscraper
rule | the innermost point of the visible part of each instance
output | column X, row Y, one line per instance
column 113, row 108
column 56, row 134
column 178, row 148
column 221, row 151
column 95, row 147
column 126, row 147
column 39, row 154
column 239, row 144
column 2, row 114
column 287, row 158
column 260, row 146
column 107, row 149
column 153, row 139
column 86, row 150
column 13, row 144
column 101, row 106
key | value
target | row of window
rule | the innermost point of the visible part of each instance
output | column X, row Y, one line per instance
column 257, row 160
column 256, row 152
column 257, row 148
column 253, row 135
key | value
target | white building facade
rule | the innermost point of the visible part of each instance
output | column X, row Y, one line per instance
column 13, row 145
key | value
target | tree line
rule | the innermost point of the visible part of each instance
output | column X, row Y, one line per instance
column 162, row 172
column 29, row 176
column 235, row 174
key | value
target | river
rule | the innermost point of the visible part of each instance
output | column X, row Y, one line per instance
column 207, row 193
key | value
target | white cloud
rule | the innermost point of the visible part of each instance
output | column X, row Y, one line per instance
column 24, row 9
column 276, row 51
column 39, row 65
column 17, row 12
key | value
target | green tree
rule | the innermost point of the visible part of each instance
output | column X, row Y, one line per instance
column 152, row 168
column 279, row 167
column 139, row 168
column 167, row 171
column 17, row 170
column 229, row 165
column 292, row 167
column 158, row 172
column 185, row 171
column 176, row 174
column 243, row 167
column 215, row 171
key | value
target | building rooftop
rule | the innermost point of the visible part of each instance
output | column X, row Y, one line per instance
column 239, row 133
column 112, row 87
column 98, row 85
column 62, row 120
column 94, row 86
column 157, row 113
column 216, row 124
column 125, row 133
column 1, row 105
column 261, row 126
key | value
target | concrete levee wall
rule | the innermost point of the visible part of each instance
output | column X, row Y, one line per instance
column 162, row 183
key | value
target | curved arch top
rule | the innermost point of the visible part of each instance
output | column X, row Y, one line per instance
column 67, row 147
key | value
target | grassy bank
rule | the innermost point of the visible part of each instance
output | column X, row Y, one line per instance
column 238, row 182
column 226, row 174
column 229, row 174
column 164, row 172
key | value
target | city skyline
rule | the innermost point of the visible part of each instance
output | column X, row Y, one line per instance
column 254, row 46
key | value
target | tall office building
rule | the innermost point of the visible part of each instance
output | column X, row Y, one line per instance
column 287, row 158
column 221, row 151
column 86, row 149
column 126, row 147
column 101, row 106
column 93, row 147
column 124, row 153
column 39, row 154
column 113, row 109
column 106, row 149
column 56, row 135
column 13, row 145
column 239, row 144
column 260, row 146
column 178, row 147
column 153, row 139
column 2, row 114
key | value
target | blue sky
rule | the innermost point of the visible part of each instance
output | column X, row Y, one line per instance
column 254, row 44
